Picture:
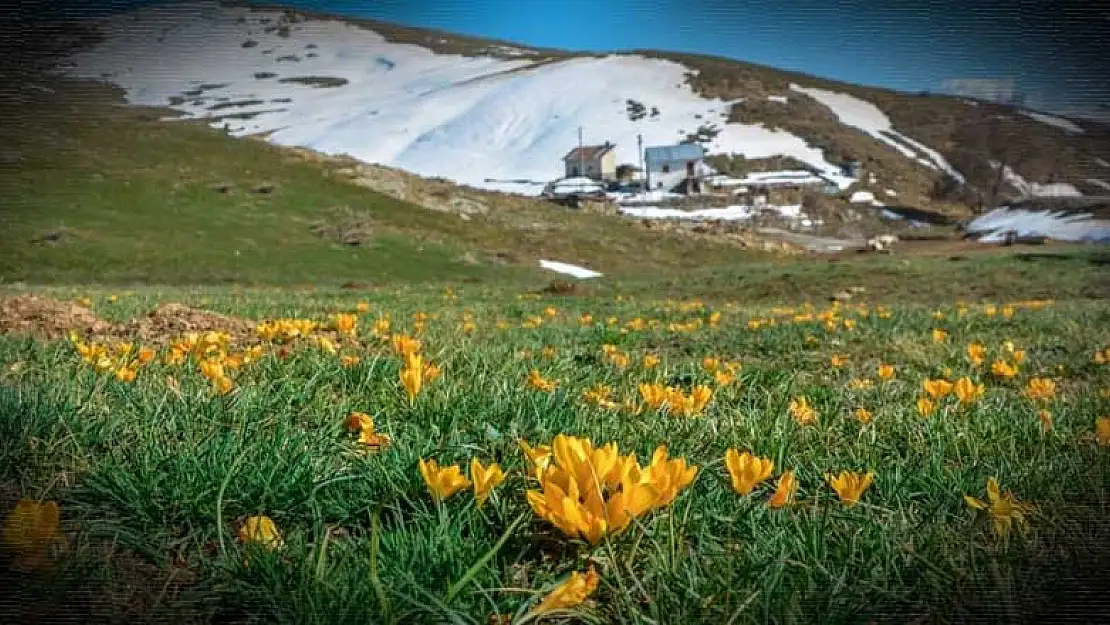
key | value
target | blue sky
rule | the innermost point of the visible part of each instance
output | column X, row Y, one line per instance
column 910, row 46
column 1052, row 49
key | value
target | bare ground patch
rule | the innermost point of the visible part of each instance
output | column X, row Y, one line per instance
column 48, row 318
column 345, row 226
column 172, row 320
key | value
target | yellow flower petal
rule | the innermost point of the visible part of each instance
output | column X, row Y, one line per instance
column 261, row 530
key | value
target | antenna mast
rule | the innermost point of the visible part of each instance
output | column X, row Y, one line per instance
column 640, row 151
column 581, row 155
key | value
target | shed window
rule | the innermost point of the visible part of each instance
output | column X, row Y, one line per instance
column 666, row 169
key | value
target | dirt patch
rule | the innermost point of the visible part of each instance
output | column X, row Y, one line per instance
column 434, row 194
column 345, row 226
column 169, row 321
column 48, row 318
column 565, row 288
column 357, row 286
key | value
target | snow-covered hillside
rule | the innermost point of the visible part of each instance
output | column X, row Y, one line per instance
column 867, row 117
column 488, row 122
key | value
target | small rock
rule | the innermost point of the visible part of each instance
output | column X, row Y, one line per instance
column 561, row 287
column 505, row 258
column 264, row 189
column 467, row 206
column 54, row 236
column 220, row 187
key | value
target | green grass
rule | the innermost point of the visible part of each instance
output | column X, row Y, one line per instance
column 1072, row 273
column 150, row 479
column 153, row 483
column 136, row 204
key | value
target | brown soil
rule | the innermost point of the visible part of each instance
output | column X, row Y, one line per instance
column 44, row 317
column 565, row 288
column 173, row 320
column 48, row 318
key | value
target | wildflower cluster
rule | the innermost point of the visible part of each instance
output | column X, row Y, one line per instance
column 593, row 492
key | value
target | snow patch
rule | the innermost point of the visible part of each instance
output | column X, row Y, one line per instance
column 722, row 180
column 1099, row 183
column 1055, row 189
column 893, row 216
column 1036, row 189
column 853, row 111
column 784, row 178
column 472, row 120
column 781, row 99
column 568, row 186
column 891, row 193
column 1102, row 162
column 742, row 212
column 645, row 197
column 1052, row 120
column 1054, row 225
column 862, row 197
column 508, row 51
column 568, row 269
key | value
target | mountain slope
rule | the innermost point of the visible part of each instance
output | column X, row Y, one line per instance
column 498, row 116
column 92, row 190
column 465, row 118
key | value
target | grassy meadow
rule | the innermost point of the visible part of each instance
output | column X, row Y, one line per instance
column 697, row 437
column 166, row 454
